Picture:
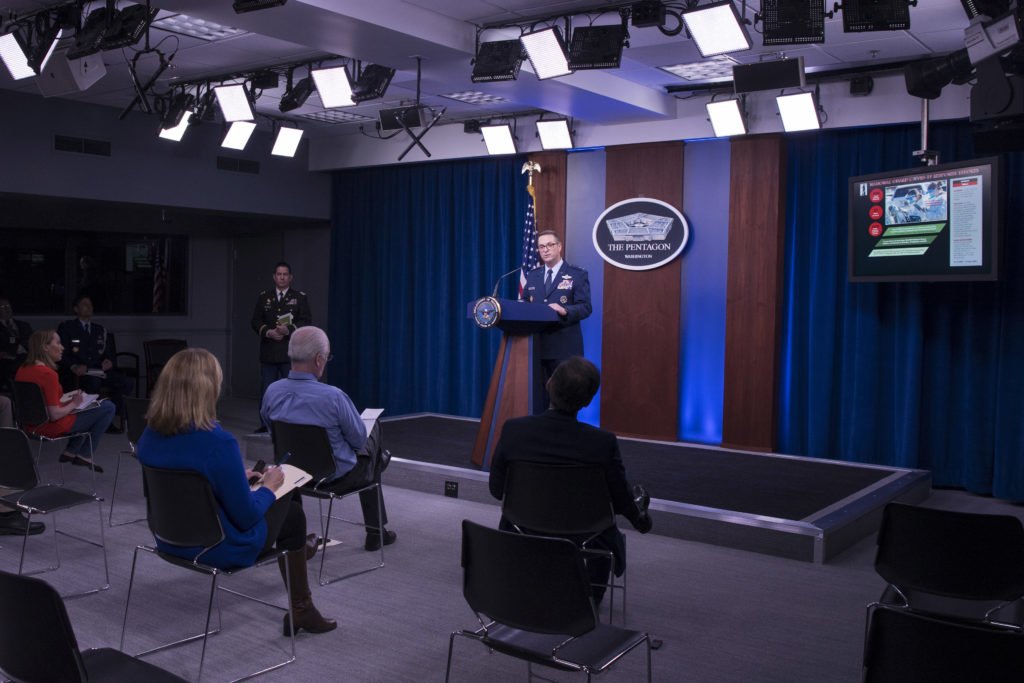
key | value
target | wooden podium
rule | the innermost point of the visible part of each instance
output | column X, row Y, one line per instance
column 511, row 389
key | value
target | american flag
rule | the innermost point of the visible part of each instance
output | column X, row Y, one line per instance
column 531, row 257
column 159, row 283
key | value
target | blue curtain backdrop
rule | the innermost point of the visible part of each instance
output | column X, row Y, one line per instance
column 411, row 245
column 922, row 375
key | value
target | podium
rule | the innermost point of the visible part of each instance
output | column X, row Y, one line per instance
column 511, row 388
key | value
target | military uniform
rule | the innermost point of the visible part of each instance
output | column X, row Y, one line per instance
column 90, row 348
column 269, row 310
column 14, row 336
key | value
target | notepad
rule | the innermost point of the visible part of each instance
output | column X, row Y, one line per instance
column 293, row 477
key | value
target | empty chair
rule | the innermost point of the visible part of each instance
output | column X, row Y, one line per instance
column 182, row 511
column 38, row 645
column 531, row 595
column 18, row 472
column 958, row 564
column 568, row 501
column 135, row 419
column 309, row 448
column 904, row 647
column 158, row 352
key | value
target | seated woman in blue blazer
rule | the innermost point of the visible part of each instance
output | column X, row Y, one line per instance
column 183, row 433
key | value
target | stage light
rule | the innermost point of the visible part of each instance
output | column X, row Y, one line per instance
column 793, row 22
column 597, row 47
column 717, row 29
column 13, row 53
column 926, row 79
column 243, row 6
column 997, row 36
column 498, row 60
column 334, row 87
column 234, row 102
column 726, row 118
column 238, row 135
column 176, row 120
column 498, row 139
column 554, row 134
column 177, row 106
column 287, row 142
column 875, row 15
column 89, row 39
column 296, row 95
column 133, row 22
column 372, row 83
column 799, row 112
column 546, row 51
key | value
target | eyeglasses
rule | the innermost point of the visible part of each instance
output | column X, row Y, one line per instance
column 549, row 245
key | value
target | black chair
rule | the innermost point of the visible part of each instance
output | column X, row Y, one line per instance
column 904, row 647
column 30, row 409
column 531, row 595
column 309, row 448
column 953, row 564
column 18, row 471
column 158, row 352
column 127, row 363
column 38, row 645
column 564, row 501
column 182, row 511
column 135, row 419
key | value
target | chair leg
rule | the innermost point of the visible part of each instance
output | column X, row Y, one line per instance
column 206, row 627
column 113, row 496
column 325, row 531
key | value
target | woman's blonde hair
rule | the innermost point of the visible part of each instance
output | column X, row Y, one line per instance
column 186, row 393
column 37, row 349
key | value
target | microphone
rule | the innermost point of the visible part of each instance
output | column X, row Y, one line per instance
column 494, row 293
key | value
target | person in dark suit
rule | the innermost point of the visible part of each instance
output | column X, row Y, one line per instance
column 566, row 289
column 556, row 437
column 14, row 336
column 279, row 311
column 89, row 356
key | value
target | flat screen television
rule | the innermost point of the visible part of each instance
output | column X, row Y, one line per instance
column 929, row 223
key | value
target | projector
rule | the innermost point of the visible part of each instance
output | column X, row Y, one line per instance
column 648, row 13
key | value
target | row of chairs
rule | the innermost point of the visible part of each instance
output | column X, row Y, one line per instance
column 156, row 352
column 953, row 606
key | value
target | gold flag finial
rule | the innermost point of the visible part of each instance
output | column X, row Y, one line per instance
column 530, row 167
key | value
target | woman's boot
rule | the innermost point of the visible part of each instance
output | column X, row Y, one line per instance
column 304, row 613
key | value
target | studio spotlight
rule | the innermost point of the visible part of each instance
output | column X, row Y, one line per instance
column 546, row 51
column 296, row 95
column 48, row 34
column 238, row 135
column 717, row 28
column 554, row 134
column 372, row 83
column 799, row 112
column 287, row 142
column 727, row 118
column 793, row 22
column 243, row 6
column 926, row 79
column 875, row 15
column 498, row 60
column 133, row 22
column 334, row 87
column 14, row 52
column 498, row 139
column 597, row 47
column 89, row 39
column 176, row 109
column 234, row 102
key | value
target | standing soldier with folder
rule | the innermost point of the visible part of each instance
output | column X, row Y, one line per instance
column 279, row 312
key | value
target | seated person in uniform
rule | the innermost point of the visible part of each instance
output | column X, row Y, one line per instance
column 301, row 398
column 14, row 336
column 556, row 437
column 88, row 362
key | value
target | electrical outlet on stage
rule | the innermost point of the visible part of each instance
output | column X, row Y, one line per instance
column 451, row 489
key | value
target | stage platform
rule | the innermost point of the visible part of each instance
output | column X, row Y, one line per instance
column 802, row 508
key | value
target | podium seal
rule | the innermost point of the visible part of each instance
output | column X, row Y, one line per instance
column 486, row 312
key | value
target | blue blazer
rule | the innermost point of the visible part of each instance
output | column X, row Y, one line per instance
column 571, row 289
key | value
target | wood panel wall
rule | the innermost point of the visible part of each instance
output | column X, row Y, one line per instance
column 550, row 187
column 641, row 326
column 754, row 291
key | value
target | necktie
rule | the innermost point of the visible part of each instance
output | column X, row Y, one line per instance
column 86, row 328
column 547, row 281
column 279, row 295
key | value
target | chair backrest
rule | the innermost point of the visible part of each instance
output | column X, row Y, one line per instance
column 308, row 445
column 158, row 352
column 533, row 583
column 17, row 468
column 135, row 415
column 37, row 642
column 953, row 554
column 905, row 646
column 561, row 500
column 181, row 508
column 29, row 404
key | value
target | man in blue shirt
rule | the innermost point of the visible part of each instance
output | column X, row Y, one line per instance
column 301, row 398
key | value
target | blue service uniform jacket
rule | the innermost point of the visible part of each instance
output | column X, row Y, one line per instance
column 571, row 289
column 80, row 348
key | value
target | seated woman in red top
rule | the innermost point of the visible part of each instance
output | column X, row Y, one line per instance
column 40, row 367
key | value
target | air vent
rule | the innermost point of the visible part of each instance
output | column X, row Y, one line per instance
column 238, row 165
column 66, row 143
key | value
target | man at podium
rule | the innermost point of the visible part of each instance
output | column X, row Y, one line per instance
column 566, row 289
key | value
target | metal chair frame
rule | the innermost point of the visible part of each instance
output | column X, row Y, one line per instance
column 206, row 533
column 308, row 448
column 135, row 417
